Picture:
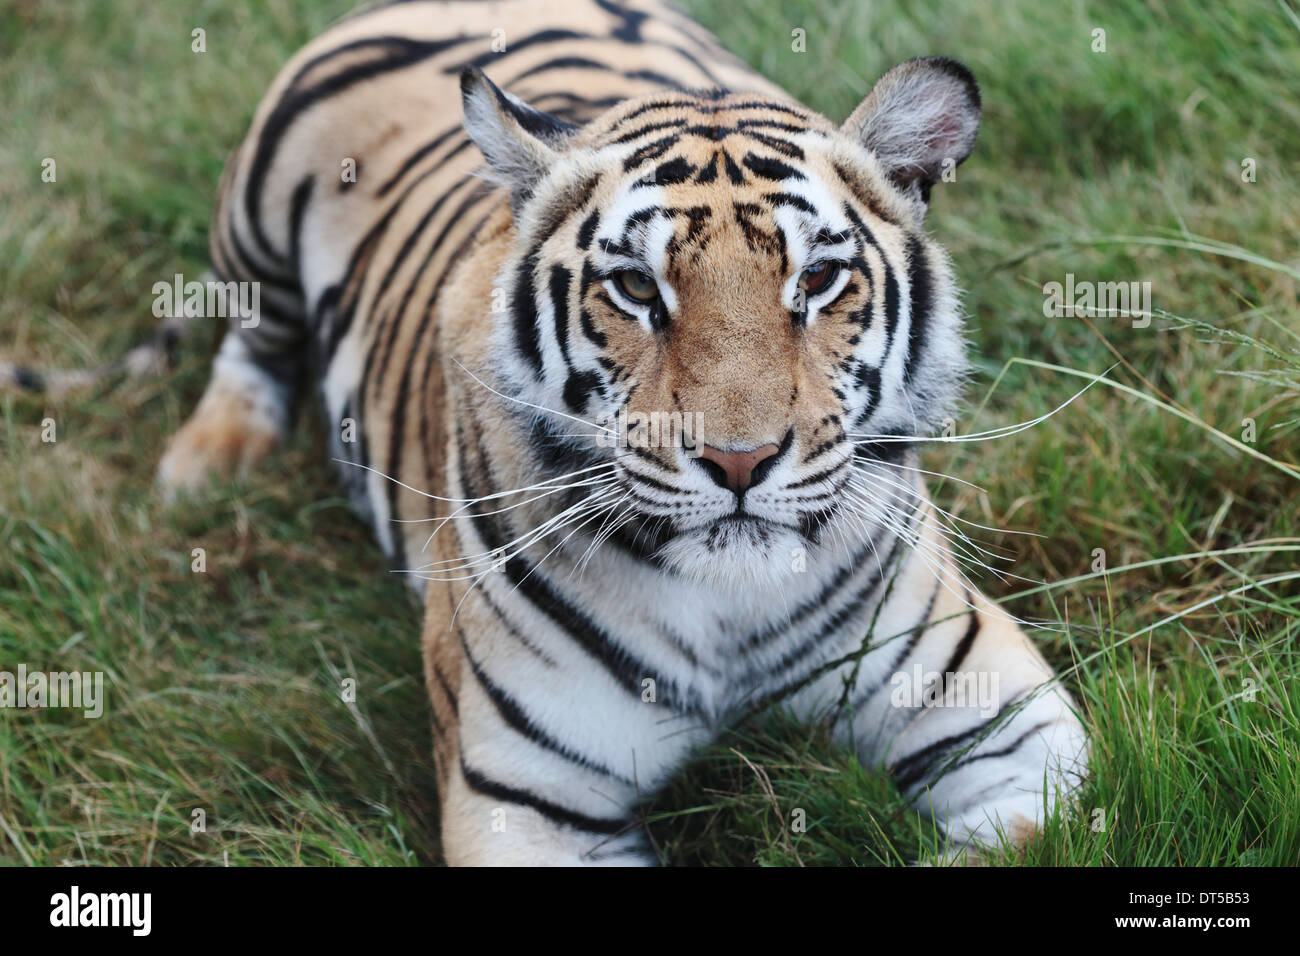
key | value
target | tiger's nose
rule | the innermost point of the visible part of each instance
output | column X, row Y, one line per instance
column 735, row 469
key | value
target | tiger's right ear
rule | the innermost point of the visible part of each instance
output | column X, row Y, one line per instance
column 519, row 143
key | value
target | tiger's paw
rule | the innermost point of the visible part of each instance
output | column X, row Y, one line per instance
column 977, row 845
column 239, row 421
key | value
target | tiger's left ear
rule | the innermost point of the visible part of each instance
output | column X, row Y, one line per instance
column 519, row 143
column 920, row 120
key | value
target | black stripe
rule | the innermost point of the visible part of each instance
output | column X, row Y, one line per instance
column 769, row 168
column 297, row 209
column 891, row 282
column 710, row 172
column 523, row 310
column 324, row 323
column 671, row 173
column 650, row 151
column 578, row 388
column 380, row 43
column 583, row 63
column 492, row 56
column 552, row 811
column 819, row 476
column 891, row 303
column 561, row 63
column 789, row 199
column 916, row 765
column 587, row 231
column 483, row 594
column 733, row 171
column 515, row 717
column 561, row 209
column 1005, row 751
column 252, row 268
column 349, row 292
column 629, row 30
column 919, row 628
column 964, row 645
column 558, row 286
column 787, row 149
column 748, row 124
column 446, row 690
column 641, row 217
column 287, row 110
column 689, row 100
column 596, row 336
column 868, row 380
column 422, row 152
column 764, row 105
column 645, row 130
column 651, row 482
column 919, row 280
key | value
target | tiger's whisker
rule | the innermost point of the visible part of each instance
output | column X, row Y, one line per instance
column 586, row 483
column 540, row 408
column 522, row 541
column 1004, row 431
column 913, row 492
column 928, row 555
column 499, row 494
column 593, row 482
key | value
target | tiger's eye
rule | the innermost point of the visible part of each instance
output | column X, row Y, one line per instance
column 637, row 285
column 818, row 277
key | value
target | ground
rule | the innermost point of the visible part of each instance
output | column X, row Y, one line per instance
column 1162, row 151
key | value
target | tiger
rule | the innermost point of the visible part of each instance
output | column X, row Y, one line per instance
column 497, row 286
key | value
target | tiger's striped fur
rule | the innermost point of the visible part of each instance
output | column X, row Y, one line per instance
column 594, row 614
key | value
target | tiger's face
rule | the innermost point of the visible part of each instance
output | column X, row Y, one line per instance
column 732, row 299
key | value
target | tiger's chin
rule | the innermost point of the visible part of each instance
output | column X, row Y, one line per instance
column 736, row 554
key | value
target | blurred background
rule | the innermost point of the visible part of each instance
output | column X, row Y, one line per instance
column 1163, row 506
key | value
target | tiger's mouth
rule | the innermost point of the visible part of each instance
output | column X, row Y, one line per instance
column 740, row 527
column 737, row 550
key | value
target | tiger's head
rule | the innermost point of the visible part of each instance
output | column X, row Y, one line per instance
column 731, row 298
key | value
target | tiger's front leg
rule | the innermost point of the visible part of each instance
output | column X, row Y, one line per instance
column 962, row 709
column 542, row 758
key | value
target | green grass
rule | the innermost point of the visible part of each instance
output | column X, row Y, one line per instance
column 224, row 686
